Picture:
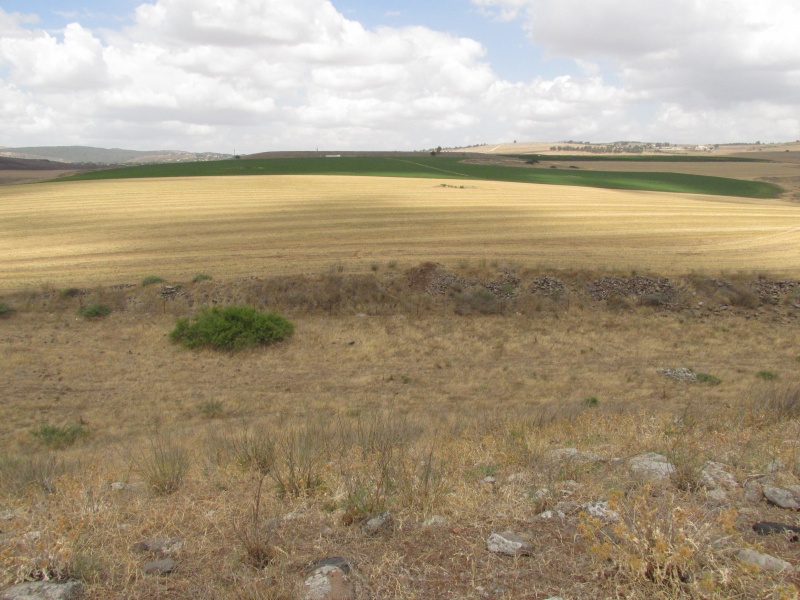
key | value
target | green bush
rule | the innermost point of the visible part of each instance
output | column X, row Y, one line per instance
column 591, row 401
column 55, row 436
column 201, row 277
column 709, row 379
column 231, row 328
column 5, row 310
column 212, row 409
column 151, row 279
column 94, row 311
column 766, row 375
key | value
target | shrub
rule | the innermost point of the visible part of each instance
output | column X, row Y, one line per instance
column 71, row 292
column 201, row 277
column 151, row 279
column 231, row 328
column 56, row 437
column 94, row 311
column 778, row 403
column 709, row 379
column 766, row 375
column 164, row 466
column 19, row 474
column 256, row 534
column 591, row 401
column 479, row 300
column 5, row 310
column 212, row 409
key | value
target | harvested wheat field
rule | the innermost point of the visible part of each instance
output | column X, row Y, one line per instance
column 120, row 231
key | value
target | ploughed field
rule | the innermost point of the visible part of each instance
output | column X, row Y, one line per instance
column 115, row 231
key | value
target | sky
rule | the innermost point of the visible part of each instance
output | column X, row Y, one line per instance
column 260, row 75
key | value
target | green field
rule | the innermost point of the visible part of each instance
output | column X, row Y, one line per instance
column 634, row 158
column 450, row 168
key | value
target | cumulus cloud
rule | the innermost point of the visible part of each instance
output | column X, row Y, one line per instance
column 270, row 74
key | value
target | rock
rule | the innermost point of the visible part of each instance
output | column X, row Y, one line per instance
column 763, row 561
column 436, row 521
column 771, row 528
column 651, row 466
column 377, row 524
column 600, row 510
column 333, row 561
column 7, row 516
column 679, row 374
column 521, row 477
column 717, row 497
column 328, row 583
column 571, row 454
column 44, row 590
column 713, row 476
column 549, row 515
column 566, row 508
column 783, row 497
column 489, row 480
column 121, row 486
column 509, row 544
column 753, row 492
column 160, row 567
column 160, row 546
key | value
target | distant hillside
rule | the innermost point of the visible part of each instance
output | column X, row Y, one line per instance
column 25, row 164
column 105, row 156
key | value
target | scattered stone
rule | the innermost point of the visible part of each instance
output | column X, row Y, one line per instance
column 509, row 543
column 164, row 566
column 600, row 510
column 521, row 477
column 717, row 497
column 549, row 515
column 753, row 492
column 651, row 466
column 679, row 374
column 7, row 516
column 571, row 454
column 713, row 476
column 763, row 561
column 44, row 590
column 566, row 508
column 436, row 521
column 121, row 486
column 783, row 497
column 333, row 561
column 160, row 546
column 328, row 583
column 771, row 528
column 489, row 480
column 377, row 523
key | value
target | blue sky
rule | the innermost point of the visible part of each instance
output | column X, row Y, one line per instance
column 405, row 74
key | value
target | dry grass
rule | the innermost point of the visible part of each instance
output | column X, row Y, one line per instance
column 407, row 411
column 85, row 233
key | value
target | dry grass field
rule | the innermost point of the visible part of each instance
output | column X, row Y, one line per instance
column 79, row 234
column 422, row 390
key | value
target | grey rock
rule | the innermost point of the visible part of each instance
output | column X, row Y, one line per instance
column 7, row 516
column 783, row 497
column 792, row 532
column 651, row 466
column 717, row 497
column 436, row 521
column 679, row 374
column 121, row 486
column 509, row 543
column 566, row 508
column 549, row 515
column 160, row 546
column 600, row 510
column 377, row 524
column 161, row 567
column 489, row 480
column 713, row 476
column 753, row 492
column 44, row 590
column 571, row 455
column 328, row 583
column 334, row 561
column 764, row 562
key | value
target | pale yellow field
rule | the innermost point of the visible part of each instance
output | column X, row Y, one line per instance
column 84, row 233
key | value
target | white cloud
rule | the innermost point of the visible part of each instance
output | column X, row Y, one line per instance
column 270, row 74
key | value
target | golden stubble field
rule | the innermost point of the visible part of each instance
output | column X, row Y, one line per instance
column 85, row 233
